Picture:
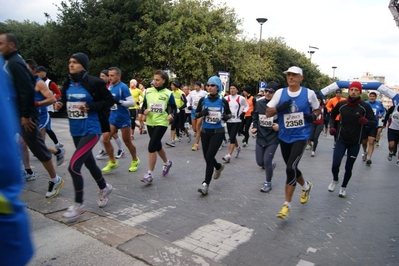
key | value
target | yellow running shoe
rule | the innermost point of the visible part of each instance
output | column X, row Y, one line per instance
column 134, row 165
column 195, row 147
column 110, row 166
column 284, row 212
column 305, row 193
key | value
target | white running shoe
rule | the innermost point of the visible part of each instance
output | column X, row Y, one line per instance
column 226, row 158
column 102, row 155
column 59, row 145
column 60, row 157
column 54, row 188
column 103, row 195
column 238, row 150
column 74, row 211
column 332, row 185
column 120, row 154
column 342, row 192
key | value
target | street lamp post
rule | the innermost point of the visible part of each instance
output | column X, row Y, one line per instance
column 334, row 67
column 311, row 52
column 310, row 56
column 261, row 21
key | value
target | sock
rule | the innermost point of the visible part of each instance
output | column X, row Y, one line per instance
column 56, row 179
column 305, row 186
column 149, row 172
column 288, row 204
column 29, row 171
column 119, row 143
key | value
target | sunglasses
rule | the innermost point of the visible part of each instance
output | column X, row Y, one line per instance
column 211, row 85
column 269, row 91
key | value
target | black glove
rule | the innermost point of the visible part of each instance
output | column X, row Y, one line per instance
column 116, row 101
column 226, row 117
column 190, row 108
column 242, row 115
column 204, row 112
column 310, row 117
column 283, row 106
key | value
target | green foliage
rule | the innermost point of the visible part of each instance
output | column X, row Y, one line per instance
column 193, row 39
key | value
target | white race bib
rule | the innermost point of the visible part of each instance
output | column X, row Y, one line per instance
column 294, row 120
column 265, row 121
column 157, row 108
column 74, row 111
column 213, row 117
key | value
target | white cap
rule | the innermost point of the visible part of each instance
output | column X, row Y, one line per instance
column 295, row 70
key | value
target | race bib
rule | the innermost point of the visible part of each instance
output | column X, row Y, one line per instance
column 213, row 117
column 265, row 121
column 195, row 104
column 114, row 107
column 294, row 120
column 157, row 108
column 374, row 111
column 74, row 111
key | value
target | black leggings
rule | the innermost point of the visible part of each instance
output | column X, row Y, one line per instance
column 315, row 134
column 264, row 158
column 292, row 154
column 133, row 116
column 339, row 152
column 232, row 128
column 210, row 146
column 84, row 155
column 244, row 128
column 156, row 134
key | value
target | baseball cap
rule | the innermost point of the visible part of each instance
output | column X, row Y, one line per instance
column 42, row 68
column 295, row 70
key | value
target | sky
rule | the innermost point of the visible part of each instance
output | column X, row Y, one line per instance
column 356, row 36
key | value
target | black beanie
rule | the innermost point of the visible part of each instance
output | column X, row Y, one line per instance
column 248, row 90
column 273, row 85
column 177, row 84
column 82, row 59
column 105, row 72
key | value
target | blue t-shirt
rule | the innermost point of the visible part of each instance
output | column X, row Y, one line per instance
column 40, row 97
column 15, row 242
column 81, row 123
column 119, row 114
column 214, row 119
column 378, row 109
column 291, row 122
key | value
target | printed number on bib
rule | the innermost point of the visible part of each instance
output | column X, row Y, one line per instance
column 294, row 120
column 213, row 117
column 195, row 104
column 74, row 111
column 265, row 121
column 157, row 108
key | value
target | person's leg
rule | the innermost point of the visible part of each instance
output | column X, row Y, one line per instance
column 318, row 130
column 371, row 141
column 268, row 156
column 353, row 151
column 248, row 121
column 210, row 145
column 107, row 143
column 126, row 137
column 118, row 141
column 338, row 154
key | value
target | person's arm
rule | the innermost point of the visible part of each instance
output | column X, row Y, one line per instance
column 255, row 117
column 330, row 104
column 184, row 99
column 334, row 113
column 104, row 99
column 370, row 116
column 244, row 105
column 54, row 88
column 47, row 94
column 387, row 114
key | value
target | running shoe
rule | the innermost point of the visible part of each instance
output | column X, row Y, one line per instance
column 267, row 186
column 397, row 163
column 166, row 167
column 134, row 165
column 110, row 166
column 54, row 188
column 195, row 147
column 102, row 155
column 390, row 155
column 284, row 212
column 120, row 154
column 244, row 144
column 74, row 211
column 305, row 194
column 368, row 162
column 29, row 177
column 342, row 192
column 226, row 158
column 59, row 145
column 103, row 195
column 308, row 147
column 312, row 155
column 238, row 150
column 147, row 178
column 188, row 137
column 332, row 185
column 144, row 131
column 60, row 156
column 171, row 143
column 364, row 156
column 204, row 189
column 217, row 173
column 377, row 143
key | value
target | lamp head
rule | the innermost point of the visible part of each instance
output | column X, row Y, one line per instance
column 261, row 20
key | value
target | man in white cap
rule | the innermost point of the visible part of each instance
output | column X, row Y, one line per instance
column 296, row 107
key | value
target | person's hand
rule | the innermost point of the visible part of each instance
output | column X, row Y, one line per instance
column 27, row 124
column 333, row 131
column 275, row 126
column 116, row 101
column 242, row 115
column 204, row 112
column 310, row 117
column 84, row 108
column 190, row 108
column 254, row 130
column 225, row 118
column 283, row 106
column 146, row 111
column 57, row 106
column 362, row 120
column 170, row 118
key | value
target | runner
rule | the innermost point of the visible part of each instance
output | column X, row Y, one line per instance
column 213, row 108
column 294, row 106
column 266, row 129
column 192, row 102
column 136, row 94
column 159, row 107
column 392, row 115
column 238, row 105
